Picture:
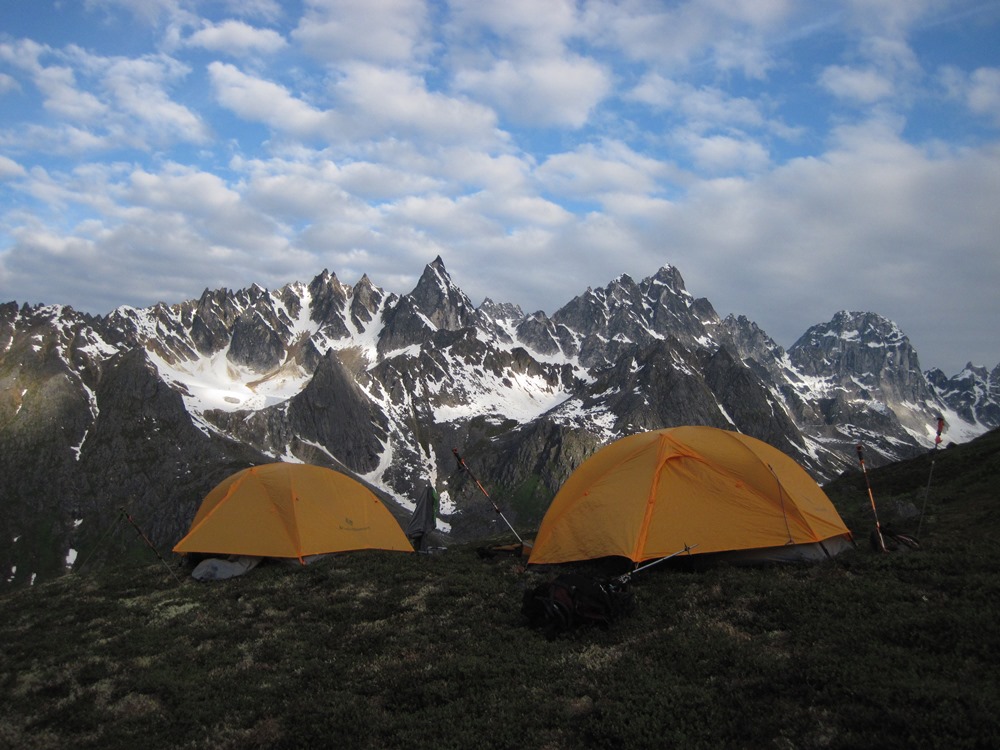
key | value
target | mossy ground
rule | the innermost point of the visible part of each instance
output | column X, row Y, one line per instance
column 387, row 650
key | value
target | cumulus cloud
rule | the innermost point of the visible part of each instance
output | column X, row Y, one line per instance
column 723, row 154
column 864, row 85
column 516, row 29
column 139, row 89
column 395, row 101
column 64, row 98
column 8, row 83
column 592, row 171
column 237, row 38
column 547, row 92
column 260, row 100
column 112, row 100
column 984, row 93
column 703, row 107
column 732, row 37
column 374, row 31
column 10, row 168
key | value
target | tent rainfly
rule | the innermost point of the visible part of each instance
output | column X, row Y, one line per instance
column 649, row 495
column 292, row 511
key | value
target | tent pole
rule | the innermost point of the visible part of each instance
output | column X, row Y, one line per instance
column 463, row 467
column 781, row 497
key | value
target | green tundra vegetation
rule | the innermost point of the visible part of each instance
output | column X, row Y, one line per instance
column 388, row 650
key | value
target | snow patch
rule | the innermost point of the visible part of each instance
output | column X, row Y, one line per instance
column 216, row 383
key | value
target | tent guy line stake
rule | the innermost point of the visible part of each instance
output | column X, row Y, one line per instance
column 463, row 467
column 871, row 497
column 149, row 544
column 627, row 576
column 927, row 490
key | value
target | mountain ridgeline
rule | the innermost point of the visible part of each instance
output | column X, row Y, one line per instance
column 145, row 410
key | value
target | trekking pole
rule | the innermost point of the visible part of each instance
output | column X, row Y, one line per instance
column 149, row 543
column 927, row 490
column 687, row 548
column 871, row 497
column 463, row 467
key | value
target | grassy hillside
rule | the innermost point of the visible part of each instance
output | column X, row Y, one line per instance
column 386, row 650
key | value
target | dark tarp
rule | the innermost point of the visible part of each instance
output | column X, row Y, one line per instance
column 423, row 519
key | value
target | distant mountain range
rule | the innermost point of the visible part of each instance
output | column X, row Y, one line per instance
column 147, row 409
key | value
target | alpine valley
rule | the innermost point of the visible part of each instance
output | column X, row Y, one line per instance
column 139, row 413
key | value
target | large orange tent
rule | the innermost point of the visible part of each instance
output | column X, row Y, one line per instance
column 291, row 510
column 653, row 494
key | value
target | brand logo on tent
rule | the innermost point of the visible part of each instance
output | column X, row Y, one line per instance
column 351, row 527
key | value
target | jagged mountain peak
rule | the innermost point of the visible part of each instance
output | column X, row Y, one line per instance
column 974, row 393
column 752, row 341
column 858, row 342
column 504, row 310
column 670, row 276
column 867, row 324
column 437, row 298
column 500, row 319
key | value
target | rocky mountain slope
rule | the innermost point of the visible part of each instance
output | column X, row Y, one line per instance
column 147, row 409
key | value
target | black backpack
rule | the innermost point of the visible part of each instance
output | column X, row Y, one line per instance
column 572, row 600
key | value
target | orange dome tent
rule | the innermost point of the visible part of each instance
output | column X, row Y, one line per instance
column 291, row 510
column 649, row 495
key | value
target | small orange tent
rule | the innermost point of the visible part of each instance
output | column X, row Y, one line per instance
column 291, row 510
column 650, row 495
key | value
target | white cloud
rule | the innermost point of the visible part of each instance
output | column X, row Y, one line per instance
column 887, row 17
column 547, row 92
column 61, row 140
column 259, row 100
column 703, row 107
column 517, row 29
column 374, row 31
column 984, row 93
column 139, row 88
column 397, row 102
column 8, row 83
column 864, row 85
column 732, row 37
column 979, row 90
column 506, row 173
column 723, row 154
column 63, row 98
column 108, row 100
column 590, row 171
column 147, row 11
column 237, row 38
column 10, row 168
column 182, row 189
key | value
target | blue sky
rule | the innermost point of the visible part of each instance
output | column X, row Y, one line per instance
column 791, row 159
